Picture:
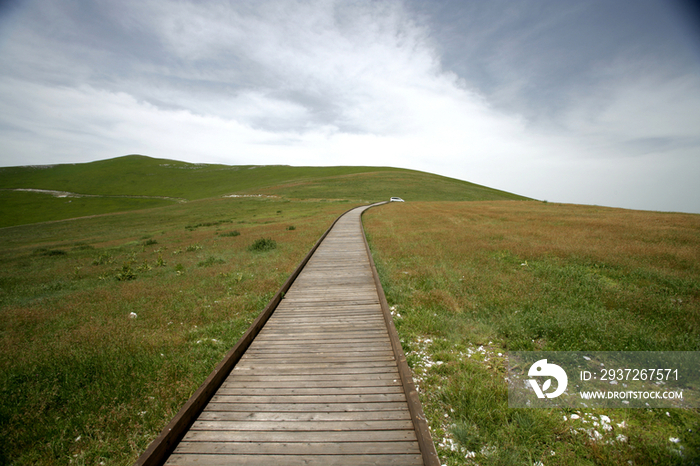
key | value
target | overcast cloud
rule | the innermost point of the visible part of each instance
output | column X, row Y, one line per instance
column 591, row 102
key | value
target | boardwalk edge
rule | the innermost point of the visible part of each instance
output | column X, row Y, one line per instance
column 425, row 441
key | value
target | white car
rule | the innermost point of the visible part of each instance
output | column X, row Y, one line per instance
column 395, row 199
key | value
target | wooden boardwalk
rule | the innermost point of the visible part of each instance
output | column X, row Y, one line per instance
column 320, row 383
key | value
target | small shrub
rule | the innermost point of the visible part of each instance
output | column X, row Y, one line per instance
column 263, row 244
column 50, row 252
column 231, row 233
column 103, row 259
column 160, row 262
column 145, row 267
column 126, row 273
column 211, row 260
column 206, row 224
column 150, row 242
column 291, row 227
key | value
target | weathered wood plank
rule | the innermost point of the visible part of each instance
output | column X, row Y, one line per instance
column 307, row 383
column 305, row 407
column 292, row 366
column 227, row 389
column 323, row 356
column 303, row 437
column 294, row 460
column 316, row 369
column 330, row 347
column 283, row 378
column 318, row 448
column 379, row 398
column 301, row 426
column 209, row 415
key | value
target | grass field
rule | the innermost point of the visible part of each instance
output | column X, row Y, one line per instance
column 110, row 321
column 470, row 281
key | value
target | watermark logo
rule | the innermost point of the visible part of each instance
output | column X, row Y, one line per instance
column 543, row 369
column 603, row 379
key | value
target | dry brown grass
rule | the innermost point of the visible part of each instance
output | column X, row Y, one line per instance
column 483, row 278
column 534, row 230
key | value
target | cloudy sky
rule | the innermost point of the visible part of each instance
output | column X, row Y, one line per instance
column 589, row 102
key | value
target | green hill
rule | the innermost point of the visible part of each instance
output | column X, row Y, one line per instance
column 136, row 182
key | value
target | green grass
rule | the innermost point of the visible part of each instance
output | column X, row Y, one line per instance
column 18, row 208
column 381, row 185
column 137, row 175
column 137, row 182
column 470, row 281
column 109, row 324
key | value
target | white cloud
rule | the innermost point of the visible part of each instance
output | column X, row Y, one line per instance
column 329, row 83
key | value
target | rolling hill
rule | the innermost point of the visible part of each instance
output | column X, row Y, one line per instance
column 31, row 194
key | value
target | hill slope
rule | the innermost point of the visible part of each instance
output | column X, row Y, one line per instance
column 135, row 182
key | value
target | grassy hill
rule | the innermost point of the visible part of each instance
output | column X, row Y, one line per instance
column 135, row 182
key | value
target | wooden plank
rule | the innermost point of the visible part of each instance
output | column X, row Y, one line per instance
column 283, row 340
column 209, row 415
column 311, row 378
column 316, row 448
column 379, row 398
column 310, row 384
column 315, row 369
column 347, row 357
column 317, row 334
column 295, row 460
column 329, row 346
column 303, row 437
column 301, row 426
column 226, row 389
column 251, row 363
column 305, row 407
